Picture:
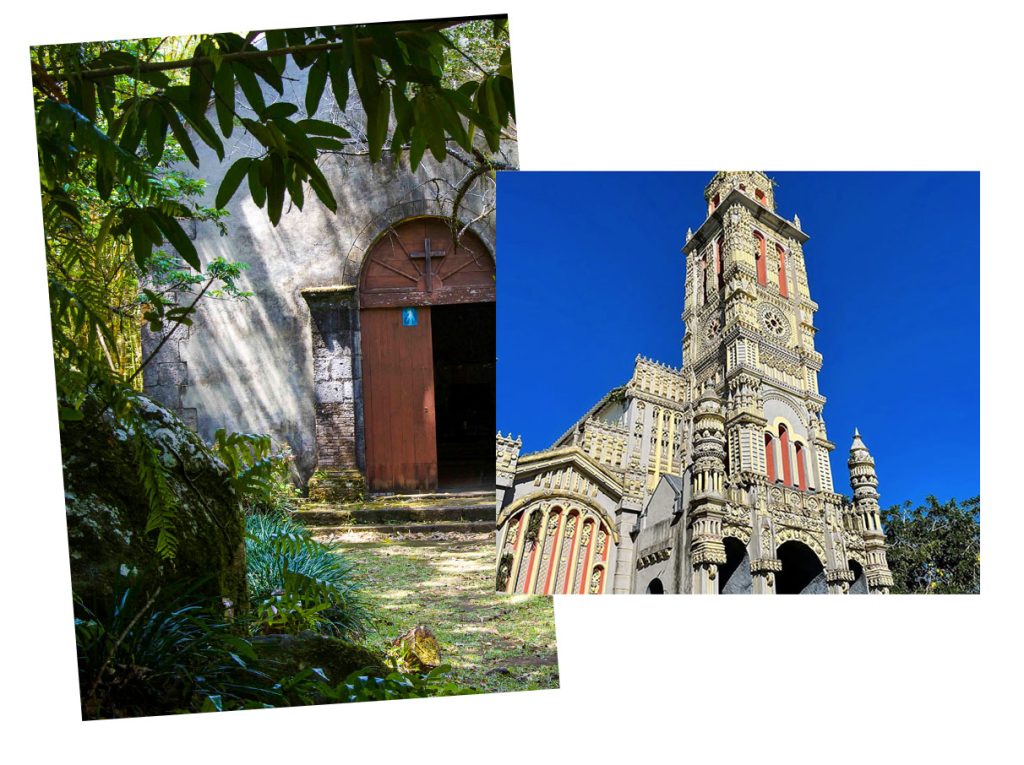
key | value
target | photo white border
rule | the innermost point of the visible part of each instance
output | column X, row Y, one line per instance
column 603, row 86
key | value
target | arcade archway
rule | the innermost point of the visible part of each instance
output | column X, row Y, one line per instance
column 734, row 574
column 802, row 571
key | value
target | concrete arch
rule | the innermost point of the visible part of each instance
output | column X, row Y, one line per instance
column 379, row 225
column 799, row 535
column 738, row 532
column 787, row 402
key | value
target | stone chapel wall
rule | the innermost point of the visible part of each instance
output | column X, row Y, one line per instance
column 248, row 366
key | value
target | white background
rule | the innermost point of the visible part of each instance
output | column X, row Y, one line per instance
column 630, row 86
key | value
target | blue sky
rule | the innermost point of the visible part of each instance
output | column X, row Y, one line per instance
column 590, row 274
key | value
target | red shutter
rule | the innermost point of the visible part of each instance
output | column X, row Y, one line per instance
column 782, row 270
column 762, row 274
column 787, row 473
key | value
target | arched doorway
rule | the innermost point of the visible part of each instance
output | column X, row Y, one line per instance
column 655, row 587
column 802, row 572
column 859, row 585
column 734, row 575
column 427, row 327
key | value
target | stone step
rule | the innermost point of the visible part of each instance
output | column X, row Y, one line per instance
column 458, row 496
column 461, row 527
column 356, row 515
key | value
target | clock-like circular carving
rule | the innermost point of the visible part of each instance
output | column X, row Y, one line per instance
column 712, row 331
column 774, row 323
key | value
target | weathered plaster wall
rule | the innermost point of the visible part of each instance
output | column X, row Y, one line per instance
column 248, row 366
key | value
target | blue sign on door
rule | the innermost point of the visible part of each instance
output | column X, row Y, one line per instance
column 410, row 317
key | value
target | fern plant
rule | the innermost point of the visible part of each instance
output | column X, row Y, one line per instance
column 297, row 582
column 153, row 650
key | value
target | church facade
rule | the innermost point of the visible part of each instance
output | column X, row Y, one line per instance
column 713, row 478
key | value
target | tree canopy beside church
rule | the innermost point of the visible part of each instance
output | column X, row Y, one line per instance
column 113, row 118
column 935, row 547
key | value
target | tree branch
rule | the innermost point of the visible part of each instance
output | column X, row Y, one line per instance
column 243, row 55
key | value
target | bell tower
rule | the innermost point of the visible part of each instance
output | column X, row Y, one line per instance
column 749, row 341
column 750, row 330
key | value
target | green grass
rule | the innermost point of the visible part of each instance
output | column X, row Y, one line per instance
column 492, row 642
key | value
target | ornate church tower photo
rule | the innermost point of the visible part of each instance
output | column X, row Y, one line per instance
column 714, row 478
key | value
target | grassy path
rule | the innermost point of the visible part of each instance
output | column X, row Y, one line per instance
column 446, row 582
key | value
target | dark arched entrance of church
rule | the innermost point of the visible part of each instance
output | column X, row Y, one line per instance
column 427, row 326
column 859, row 585
column 802, row 572
column 734, row 575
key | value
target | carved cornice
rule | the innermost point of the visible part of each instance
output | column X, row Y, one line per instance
column 839, row 575
column 716, row 221
column 765, row 565
column 535, row 462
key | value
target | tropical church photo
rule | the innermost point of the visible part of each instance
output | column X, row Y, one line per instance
column 714, row 477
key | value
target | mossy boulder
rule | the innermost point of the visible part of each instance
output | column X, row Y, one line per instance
column 337, row 658
column 107, row 509
column 417, row 650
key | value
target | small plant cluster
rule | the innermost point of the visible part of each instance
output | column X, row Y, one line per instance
column 298, row 583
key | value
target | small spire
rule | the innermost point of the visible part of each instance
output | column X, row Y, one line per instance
column 796, row 221
column 689, row 234
column 857, row 444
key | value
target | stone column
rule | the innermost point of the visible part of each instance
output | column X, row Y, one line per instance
column 838, row 580
column 165, row 378
column 763, row 572
column 623, row 565
column 334, row 317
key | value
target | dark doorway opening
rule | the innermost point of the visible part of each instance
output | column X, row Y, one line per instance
column 655, row 587
column 802, row 572
column 464, row 394
column 859, row 586
column 734, row 574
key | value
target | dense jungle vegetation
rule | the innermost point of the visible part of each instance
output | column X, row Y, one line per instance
column 116, row 123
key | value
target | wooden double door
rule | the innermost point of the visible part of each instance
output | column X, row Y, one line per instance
column 428, row 351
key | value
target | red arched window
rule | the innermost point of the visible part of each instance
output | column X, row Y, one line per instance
column 769, row 456
column 704, row 279
column 762, row 274
column 801, row 469
column 714, row 203
column 760, row 196
column 782, row 270
column 718, row 261
column 787, row 474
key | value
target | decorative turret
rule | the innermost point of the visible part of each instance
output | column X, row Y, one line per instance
column 866, row 516
column 707, row 506
column 506, row 457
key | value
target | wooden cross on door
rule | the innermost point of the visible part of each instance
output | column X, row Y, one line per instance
column 426, row 255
